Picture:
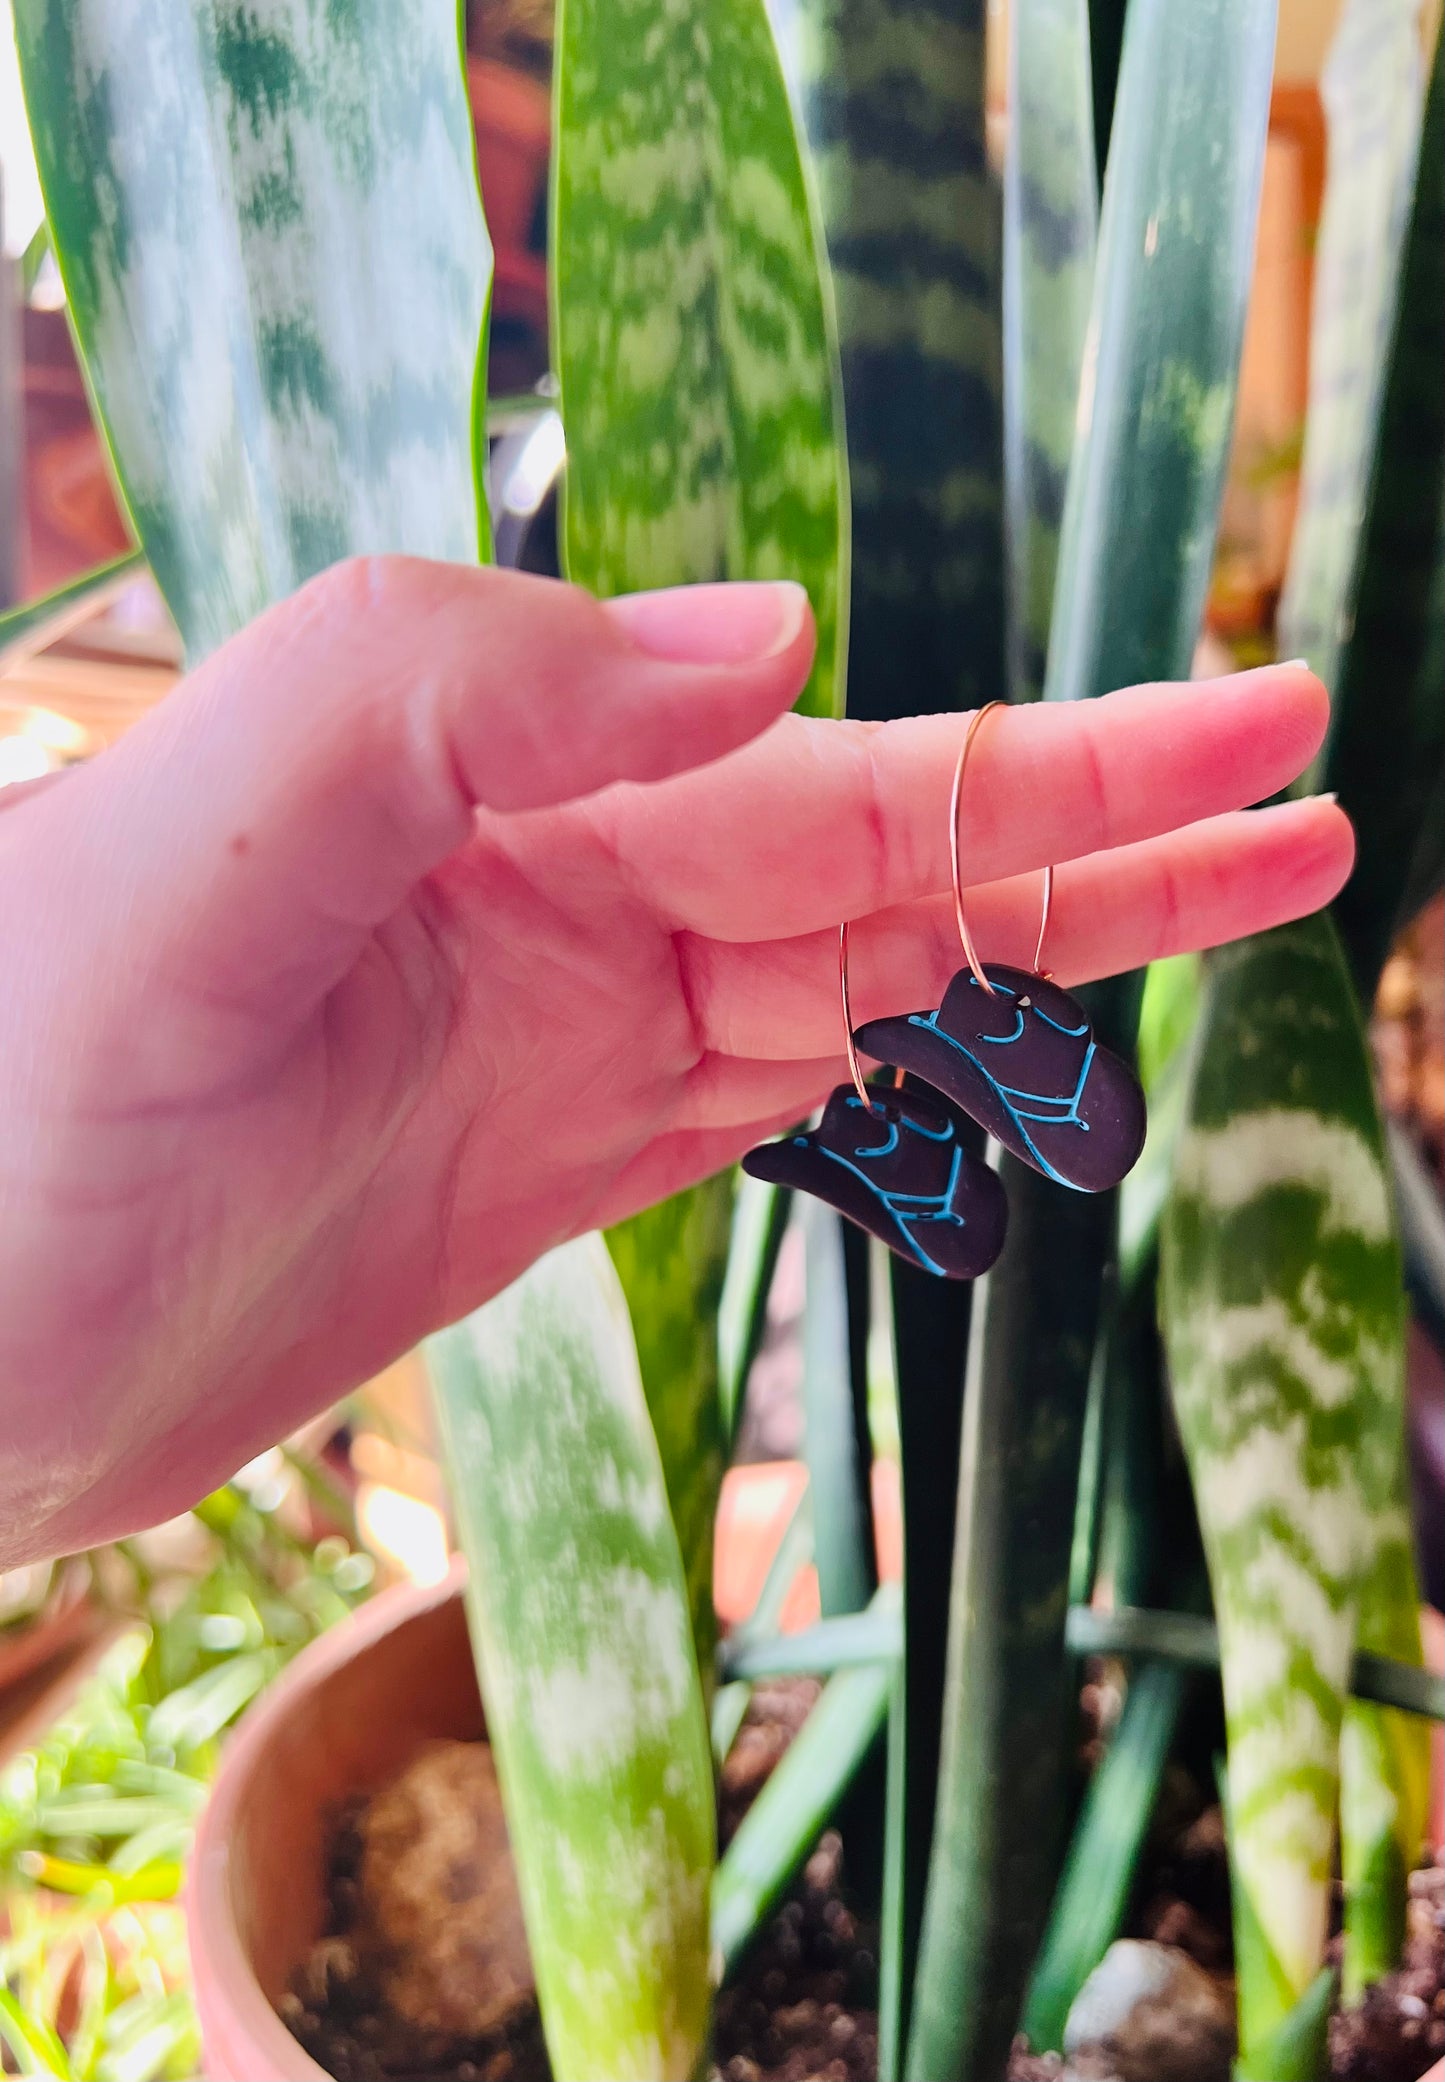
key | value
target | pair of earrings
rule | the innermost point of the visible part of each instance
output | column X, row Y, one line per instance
column 1006, row 1048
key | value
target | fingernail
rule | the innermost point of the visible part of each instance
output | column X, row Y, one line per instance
column 1284, row 664
column 1327, row 795
column 734, row 624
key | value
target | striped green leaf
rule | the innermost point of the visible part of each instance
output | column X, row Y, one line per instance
column 1087, row 1539
column 793, row 1553
column 267, row 222
column 1149, row 1537
column 671, row 1260
column 693, row 330
column 1384, row 1757
column 726, row 1714
column 760, row 1220
column 1050, row 225
column 1193, row 1641
column 1366, row 601
column 873, row 1635
column 781, row 1829
column 1371, row 89
column 1098, row 1877
column 1167, row 1018
column 1170, row 286
column 27, row 629
column 580, row 1623
column 930, row 1331
column 693, row 341
column 1283, row 1314
column 1299, row 2049
column 1176, row 247
column 1143, row 1538
column 1386, row 756
column 892, row 95
column 998, row 1828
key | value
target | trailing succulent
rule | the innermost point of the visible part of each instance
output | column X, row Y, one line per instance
column 277, row 271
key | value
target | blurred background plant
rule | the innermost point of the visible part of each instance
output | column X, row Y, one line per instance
column 180, row 1630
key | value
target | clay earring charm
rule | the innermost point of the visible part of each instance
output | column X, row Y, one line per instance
column 893, row 1160
column 1018, row 1054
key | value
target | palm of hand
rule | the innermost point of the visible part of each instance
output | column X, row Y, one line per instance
column 341, row 1057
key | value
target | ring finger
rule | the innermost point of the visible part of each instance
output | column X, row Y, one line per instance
column 1211, row 882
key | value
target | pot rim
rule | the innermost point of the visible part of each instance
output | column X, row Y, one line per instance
column 229, row 1998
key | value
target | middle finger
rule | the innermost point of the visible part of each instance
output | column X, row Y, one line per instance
column 818, row 821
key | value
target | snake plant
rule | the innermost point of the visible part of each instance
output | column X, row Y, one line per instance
column 277, row 269
column 1283, row 1300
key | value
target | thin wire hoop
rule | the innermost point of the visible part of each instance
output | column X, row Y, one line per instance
column 955, row 856
column 854, row 1068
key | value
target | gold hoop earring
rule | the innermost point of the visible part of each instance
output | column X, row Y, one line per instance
column 955, row 862
column 1017, row 1053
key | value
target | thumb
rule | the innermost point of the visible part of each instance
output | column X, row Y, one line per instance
column 288, row 797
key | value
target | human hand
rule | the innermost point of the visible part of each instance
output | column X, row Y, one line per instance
column 415, row 933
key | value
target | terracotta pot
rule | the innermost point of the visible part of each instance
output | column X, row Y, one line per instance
column 343, row 1719
column 350, row 1711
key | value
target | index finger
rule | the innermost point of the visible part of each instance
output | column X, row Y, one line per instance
column 819, row 821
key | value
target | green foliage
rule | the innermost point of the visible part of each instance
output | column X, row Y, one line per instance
column 693, row 343
column 1006, row 1720
column 835, row 1420
column 1098, row 1876
column 1384, row 1760
column 1192, row 1641
column 1297, row 2050
column 760, row 1220
column 581, row 1628
column 1170, row 285
column 930, row 1331
column 1176, row 246
column 1281, row 1352
column 29, row 628
column 1050, row 226
column 671, row 1260
column 793, row 1552
column 33, row 259
column 1283, row 1315
column 277, row 272
column 692, row 332
column 284, row 407
column 892, row 96
column 779, row 1831
column 872, row 1635
column 96, row 1821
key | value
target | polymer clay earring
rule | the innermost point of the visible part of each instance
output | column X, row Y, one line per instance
column 893, row 1160
column 1011, row 1049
